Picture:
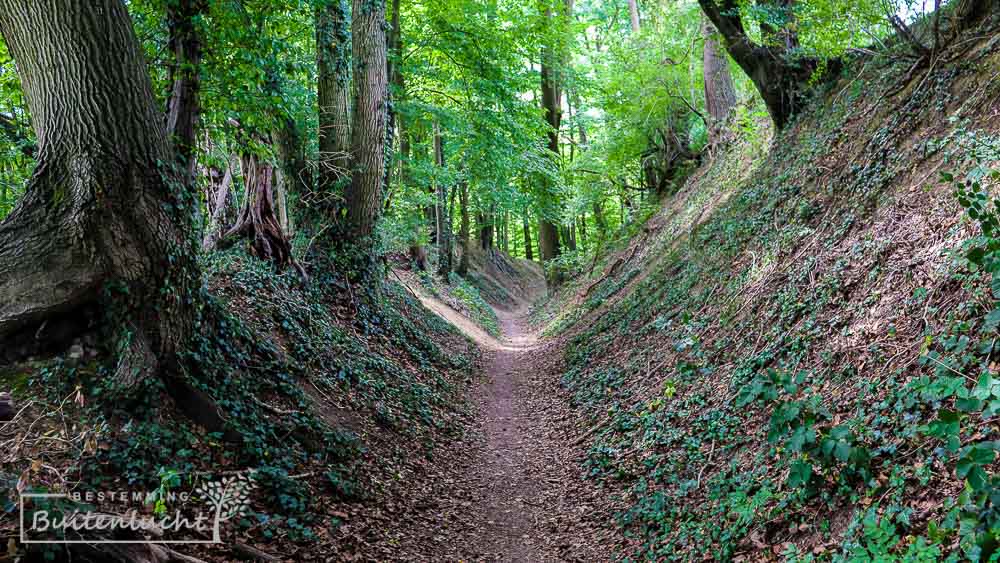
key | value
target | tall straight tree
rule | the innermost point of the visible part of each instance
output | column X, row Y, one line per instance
column 720, row 95
column 548, row 231
column 526, row 225
column 333, row 60
column 183, row 105
column 443, row 212
column 369, row 127
column 463, row 233
column 106, row 218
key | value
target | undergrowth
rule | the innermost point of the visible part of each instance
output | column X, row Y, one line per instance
column 297, row 373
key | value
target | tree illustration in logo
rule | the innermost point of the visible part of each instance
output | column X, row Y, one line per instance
column 228, row 496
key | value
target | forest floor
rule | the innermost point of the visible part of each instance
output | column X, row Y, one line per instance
column 512, row 488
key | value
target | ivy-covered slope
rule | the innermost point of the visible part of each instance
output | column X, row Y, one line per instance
column 794, row 359
column 331, row 397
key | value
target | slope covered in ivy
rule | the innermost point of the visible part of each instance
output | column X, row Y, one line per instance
column 332, row 395
column 795, row 357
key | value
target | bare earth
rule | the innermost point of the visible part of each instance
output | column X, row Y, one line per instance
column 512, row 488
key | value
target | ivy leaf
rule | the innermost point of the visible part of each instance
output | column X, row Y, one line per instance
column 842, row 451
column 799, row 473
column 977, row 478
column 992, row 320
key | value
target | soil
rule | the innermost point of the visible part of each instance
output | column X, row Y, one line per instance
column 512, row 488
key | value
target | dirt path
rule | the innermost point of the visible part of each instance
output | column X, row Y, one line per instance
column 511, row 489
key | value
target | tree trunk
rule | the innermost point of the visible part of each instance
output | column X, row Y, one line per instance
column 218, row 202
column 720, row 96
column 528, row 254
column 443, row 216
column 633, row 12
column 599, row 220
column 548, row 240
column 463, row 195
column 779, row 79
column 333, row 67
column 486, row 231
column 291, row 152
column 548, row 232
column 364, row 195
column 259, row 220
column 101, row 211
column 185, row 75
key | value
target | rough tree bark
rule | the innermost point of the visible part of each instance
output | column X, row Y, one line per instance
column 770, row 66
column 218, row 203
column 333, row 54
column 104, row 208
column 720, row 95
column 364, row 195
column 185, row 74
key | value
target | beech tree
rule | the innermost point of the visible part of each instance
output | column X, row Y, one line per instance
column 106, row 217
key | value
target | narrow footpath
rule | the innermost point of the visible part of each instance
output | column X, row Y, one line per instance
column 512, row 488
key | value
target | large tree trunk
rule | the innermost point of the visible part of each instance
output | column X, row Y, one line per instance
column 485, row 221
column 104, row 208
column 364, row 195
column 548, row 232
column 333, row 67
column 183, row 107
column 770, row 66
column 720, row 95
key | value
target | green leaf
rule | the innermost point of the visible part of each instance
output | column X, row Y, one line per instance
column 799, row 473
column 969, row 404
column 992, row 320
column 977, row 478
column 843, row 451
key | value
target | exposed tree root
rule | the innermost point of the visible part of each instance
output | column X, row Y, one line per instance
column 258, row 222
